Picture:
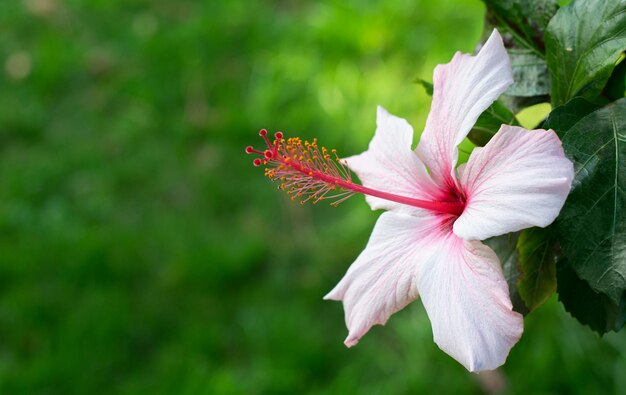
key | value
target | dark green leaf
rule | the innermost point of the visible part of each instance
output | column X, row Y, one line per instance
column 592, row 225
column 524, row 20
column 428, row 87
column 564, row 117
column 537, row 261
column 489, row 123
column 616, row 85
column 586, row 305
column 530, row 74
column 583, row 42
column 505, row 247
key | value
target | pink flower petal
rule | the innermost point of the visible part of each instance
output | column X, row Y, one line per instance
column 391, row 166
column 519, row 179
column 467, row 300
column 463, row 89
column 382, row 280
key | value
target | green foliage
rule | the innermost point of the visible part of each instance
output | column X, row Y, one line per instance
column 592, row 224
column 583, row 42
column 588, row 306
column 530, row 74
column 525, row 20
column 590, row 141
column 528, row 261
column 616, row 85
column 523, row 24
column 428, row 86
column 505, row 246
column 538, row 265
column 565, row 117
column 489, row 122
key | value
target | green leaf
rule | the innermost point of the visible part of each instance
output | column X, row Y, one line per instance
column 522, row 24
column 586, row 305
column 428, row 87
column 583, row 42
column 616, row 85
column 524, row 20
column 537, row 260
column 505, row 248
column 564, row 118
column 591, row 228
column 490, row 122
column 530, row 74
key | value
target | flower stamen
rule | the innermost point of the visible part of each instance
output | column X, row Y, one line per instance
column 312, row 173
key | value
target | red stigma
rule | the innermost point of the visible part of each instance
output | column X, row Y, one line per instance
column 257, row 162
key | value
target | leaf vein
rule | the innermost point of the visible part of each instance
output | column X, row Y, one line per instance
column 615, row 196
column 592, row 155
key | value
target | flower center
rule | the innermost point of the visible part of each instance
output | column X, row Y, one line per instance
column 309, row 172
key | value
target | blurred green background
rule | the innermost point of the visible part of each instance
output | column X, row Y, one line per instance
column 141, row 252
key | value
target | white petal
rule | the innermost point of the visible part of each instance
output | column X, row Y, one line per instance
column 467, row 300
column 463, row 89
column 519, row 179
column 390, row 165
column 382, row 279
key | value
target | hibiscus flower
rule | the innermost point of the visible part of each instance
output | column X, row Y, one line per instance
column 428, row 242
